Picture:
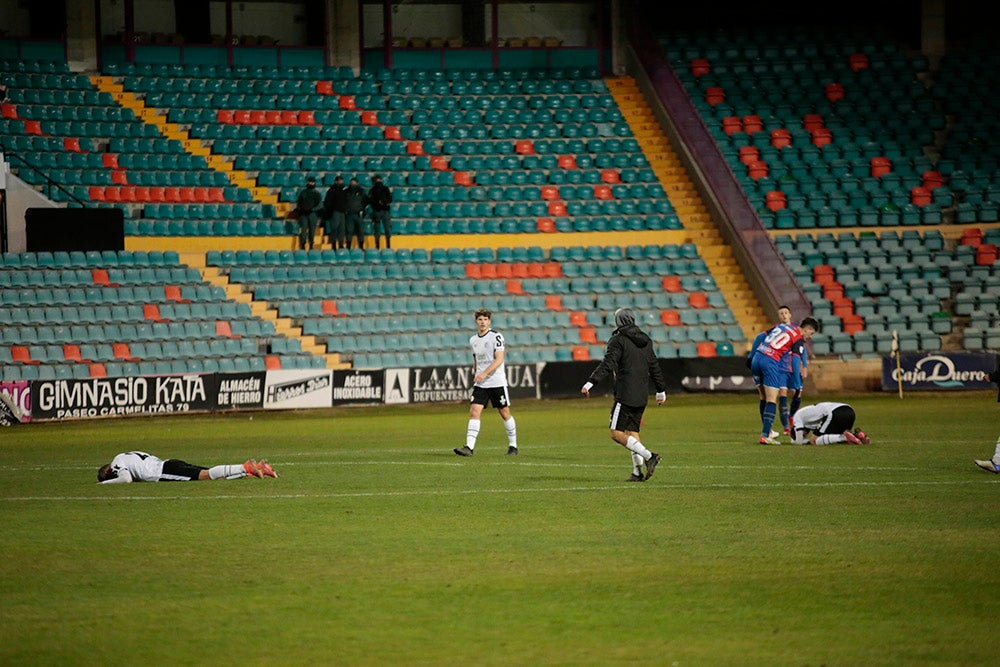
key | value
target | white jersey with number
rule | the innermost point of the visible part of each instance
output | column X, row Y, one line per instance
column 484, row 349
column 135, row 467
column 814, row 418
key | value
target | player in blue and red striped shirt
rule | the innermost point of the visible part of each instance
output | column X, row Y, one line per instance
column 770, row 363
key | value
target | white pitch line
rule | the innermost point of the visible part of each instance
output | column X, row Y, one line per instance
column 466, row 492
column 521, row 464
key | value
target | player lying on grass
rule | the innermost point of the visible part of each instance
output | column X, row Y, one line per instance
column 826, row 424
column 143, row 467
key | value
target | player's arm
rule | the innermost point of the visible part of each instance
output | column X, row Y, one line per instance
column 609, row 362
column 798, row 350
column 497, row 360
column 123, row 477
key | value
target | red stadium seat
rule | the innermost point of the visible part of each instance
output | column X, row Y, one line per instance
column 731, row 125
column 324, row 87
column 272, row 362
column 671, row 318
column 749, row 154
column 781, row 138
column 920, row 196
column 775, row 200
column 752, row 123
column 880, row 166
column 151, row 311
column 109, row 160
column 546, row 225
column 706, row 349
column 700, row 66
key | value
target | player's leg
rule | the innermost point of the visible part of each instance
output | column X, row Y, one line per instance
column 175, row 470
column 768, row 415
column 479, row 398
column 509, row 425
column 992, row 465
column 387, row 228
column 625, row 423
column 783, row 407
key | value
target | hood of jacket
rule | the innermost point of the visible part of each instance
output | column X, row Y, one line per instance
column 636, row 335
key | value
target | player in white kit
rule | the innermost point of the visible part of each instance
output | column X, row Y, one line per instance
column 826, row 423
column 489, row 384
column 142, row 467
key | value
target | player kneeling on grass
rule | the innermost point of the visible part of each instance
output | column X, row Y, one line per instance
column 826, row 424
column 993, row 464
column 630, row 357
column 143, row 467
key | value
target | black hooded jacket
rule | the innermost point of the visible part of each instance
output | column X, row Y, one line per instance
column 631, row 358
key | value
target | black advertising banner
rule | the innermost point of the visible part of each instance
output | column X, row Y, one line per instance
column 434, row 384
column 358, row 387
column 716, row 374
column 119, row 396
column 241, row 391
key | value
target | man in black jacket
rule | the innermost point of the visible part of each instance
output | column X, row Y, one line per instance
column 335, row 205
column 631, row 358
column 379, row 197
column 308, row 207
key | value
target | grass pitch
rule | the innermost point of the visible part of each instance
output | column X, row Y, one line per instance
column 379, row 546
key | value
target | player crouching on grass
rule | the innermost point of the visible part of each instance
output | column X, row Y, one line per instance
column 143, row 467
column 826, row 424
column 630, row 357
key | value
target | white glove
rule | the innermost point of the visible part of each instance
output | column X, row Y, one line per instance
column 586, row 388
column 661, row 396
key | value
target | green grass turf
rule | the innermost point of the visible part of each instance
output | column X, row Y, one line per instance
column 379, row 546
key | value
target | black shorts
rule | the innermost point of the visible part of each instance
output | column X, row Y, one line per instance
column 175, row 470
column 842, row 419
column 626, row 417
column 486, row 395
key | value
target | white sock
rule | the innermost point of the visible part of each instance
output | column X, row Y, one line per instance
column 996, row 453
column 472, row 433
column 511, row 432
column 831, row 439
column 636, row 464
column 633, row 445
column 229, row 472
